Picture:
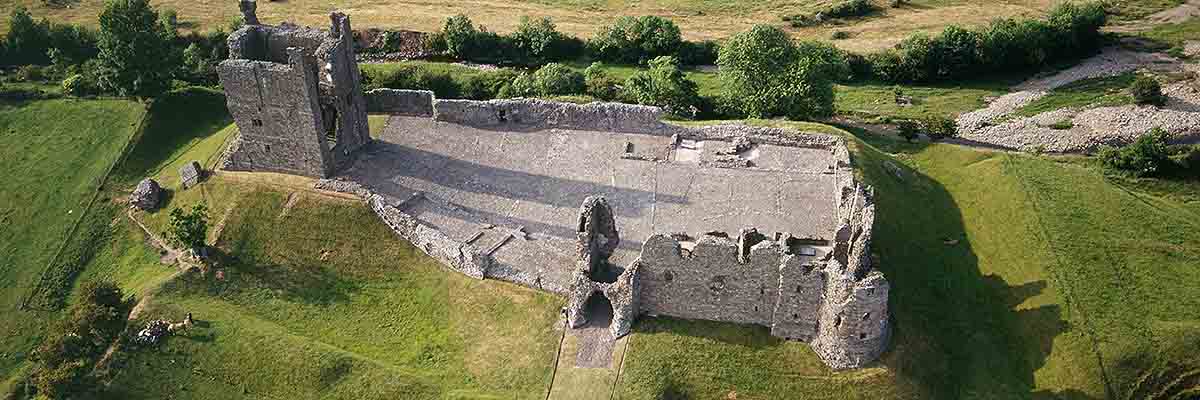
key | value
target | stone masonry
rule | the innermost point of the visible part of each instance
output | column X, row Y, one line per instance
column 727, row 223
column 295, row 95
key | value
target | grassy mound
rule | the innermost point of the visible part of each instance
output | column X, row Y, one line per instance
column 324, row 301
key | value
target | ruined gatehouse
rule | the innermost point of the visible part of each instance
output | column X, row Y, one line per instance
column 602, row 203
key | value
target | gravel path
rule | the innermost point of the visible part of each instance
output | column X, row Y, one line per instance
column 1090, row 128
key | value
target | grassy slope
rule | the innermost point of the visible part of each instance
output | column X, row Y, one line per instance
column 53, row 154
column 333, row 305
column 1012, row 311
column 1095, row 92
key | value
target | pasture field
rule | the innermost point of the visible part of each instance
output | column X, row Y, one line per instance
column 698, row 19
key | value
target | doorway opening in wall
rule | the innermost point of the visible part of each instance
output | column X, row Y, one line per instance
column 598, row 310
column 331, row 125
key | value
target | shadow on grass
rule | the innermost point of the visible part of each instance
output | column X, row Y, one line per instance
column 176, row 119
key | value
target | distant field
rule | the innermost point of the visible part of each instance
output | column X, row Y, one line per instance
column 53, row 154
column 699, row 19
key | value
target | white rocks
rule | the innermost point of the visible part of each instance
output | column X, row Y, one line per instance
column 190, row 174
column 146, row 195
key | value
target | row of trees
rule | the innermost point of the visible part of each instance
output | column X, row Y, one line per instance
column 137, row 51
column 537, row 41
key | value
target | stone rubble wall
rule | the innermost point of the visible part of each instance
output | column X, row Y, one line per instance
column 461, row 257
column 413, row 103
column 597, row 237
column 540, row 114
column 710, row 283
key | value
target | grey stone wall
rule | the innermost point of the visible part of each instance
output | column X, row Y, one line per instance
column 710, row 282
column 461, row 257
column 597, row 237
column 295, row 96
column 414, row 103
column 801, row 294
column 531, row 114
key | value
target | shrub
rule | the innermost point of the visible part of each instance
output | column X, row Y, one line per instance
column 27, row 41
column 31, row 73
column 136, row 53
column 484, row 85
column 599, row 84
column 1144, row 157
column 765, row 75
column 1078, row 26
column 939, row 128
column 849, row 9
column 908, row 129
column 460, row 35
column 664, row 85
column 956, row 52
column 63, row 361
column 636, row 39
column 537, row 39
column 189, row 228
column 839, row 35
column 1147, row 90
column 699, row 53
column 558, row 80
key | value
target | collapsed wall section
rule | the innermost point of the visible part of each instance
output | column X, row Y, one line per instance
column 541, row 114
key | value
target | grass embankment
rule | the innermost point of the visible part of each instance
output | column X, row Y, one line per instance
column 320, row 300
column 1087, row 93
column 54, row 154
column 1062, row 284
column 1122, row 11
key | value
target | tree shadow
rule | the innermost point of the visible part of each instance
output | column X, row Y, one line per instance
column 173, row 120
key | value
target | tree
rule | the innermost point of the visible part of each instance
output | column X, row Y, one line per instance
column 63, row 361
column 599, row 84
column 536, row 39
column 136, row 53
column 908, row 129
column 664, row 85
column 27, row 40
column 765, row 75
column 939, row 128
column 1144, row 157
column 459, row 33
column 636, row 39
column 558, row 80
column 190, row 227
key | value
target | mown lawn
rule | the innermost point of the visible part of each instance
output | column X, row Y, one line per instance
column 54, row 154
column 1062, row 285
column 1095, row 92
column 323, row 301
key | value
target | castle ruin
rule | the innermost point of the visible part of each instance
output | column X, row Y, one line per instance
column 602, row 203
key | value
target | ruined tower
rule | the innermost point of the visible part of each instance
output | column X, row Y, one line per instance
column 295, row 96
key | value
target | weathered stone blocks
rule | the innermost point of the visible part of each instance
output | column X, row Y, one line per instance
column 190, row 174
column 146, row 195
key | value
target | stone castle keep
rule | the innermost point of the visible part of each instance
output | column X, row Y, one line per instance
column 602, row 203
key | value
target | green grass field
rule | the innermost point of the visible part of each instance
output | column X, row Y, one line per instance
column 54, row 154
column 1095, row 92
column 325, row 302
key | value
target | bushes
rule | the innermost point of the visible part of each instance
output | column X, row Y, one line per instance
column 189, row 228
column 699, row 53
column 1146, row 156
column 538, row 41
column 63, row 361
column 908, row 129
column 1147, row 91
column 636, row 39
column 551, row 80
column 599, row 84
column 939, row 128
column 1071, row 31
column 844, row 9
column 664, row 85
column 765, row 74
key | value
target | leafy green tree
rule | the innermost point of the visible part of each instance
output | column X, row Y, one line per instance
column 460, row 35
column 599, row 84
column 537, row 38
column 136, row 53
column 27, row 41
column 190, row 227
column 664, row 85
column 765, row 74
column 558, row 80
column 636, row 39
column 64, row 359
column 908, row 129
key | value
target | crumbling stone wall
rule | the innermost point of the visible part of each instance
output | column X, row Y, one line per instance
column 413, row 103
column 462, row 257
column 540, row 114
column 596, row 239
column 295, row 96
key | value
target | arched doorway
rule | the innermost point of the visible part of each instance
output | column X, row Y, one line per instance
column 598, row 311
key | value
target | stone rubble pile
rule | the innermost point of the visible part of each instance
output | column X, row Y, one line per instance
column 146, row 195
column 153, row 332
